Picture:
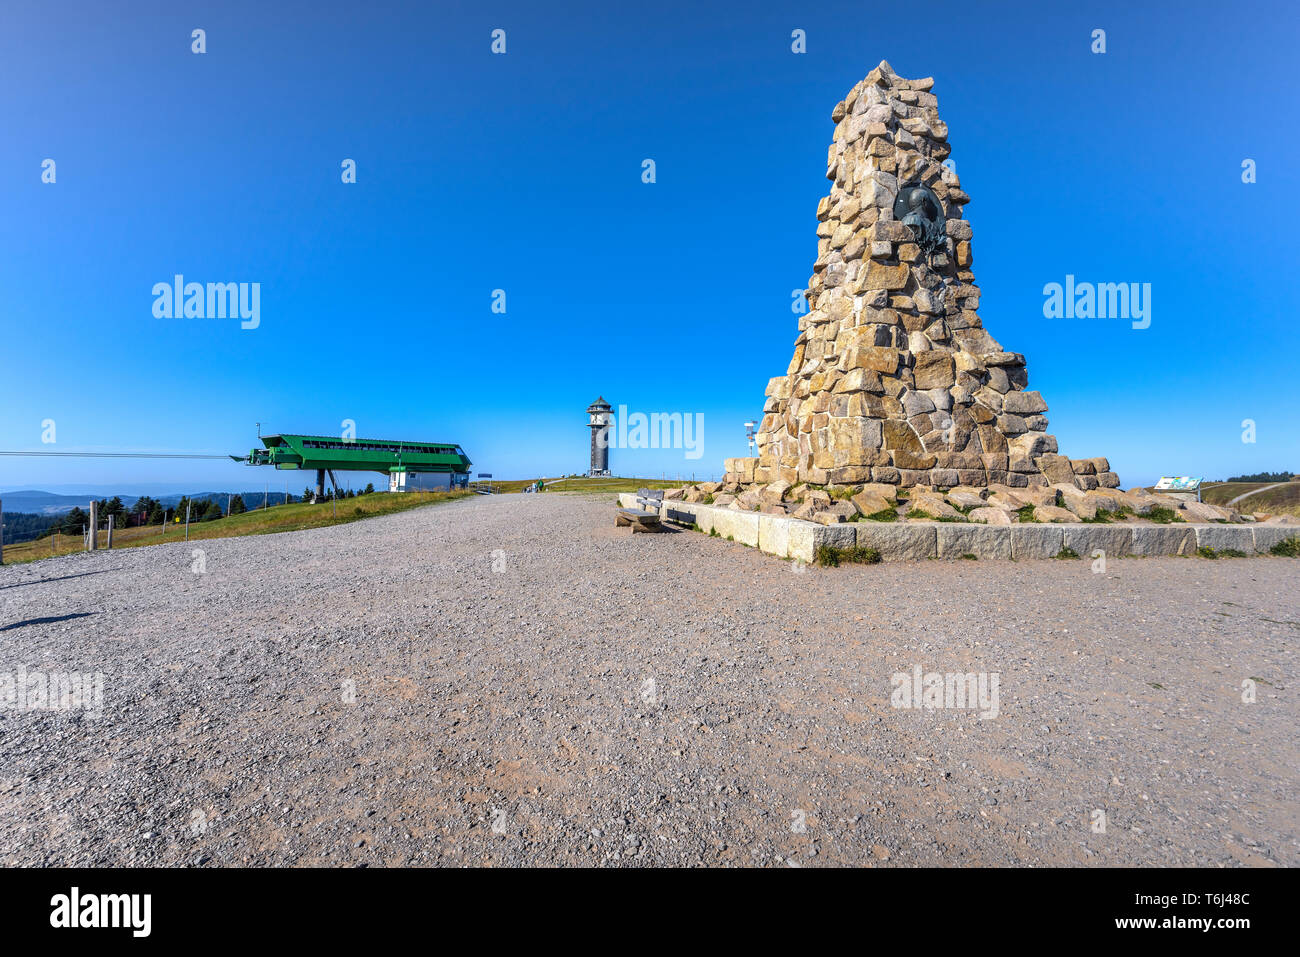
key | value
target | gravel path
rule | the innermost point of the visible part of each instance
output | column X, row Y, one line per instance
column 1266, row 488
column 501, row 650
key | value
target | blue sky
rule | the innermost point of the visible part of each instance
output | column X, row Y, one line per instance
column 522, row 172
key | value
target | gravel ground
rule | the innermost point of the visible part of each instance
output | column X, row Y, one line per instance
column 501, row 650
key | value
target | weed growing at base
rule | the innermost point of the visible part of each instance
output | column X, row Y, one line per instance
column 1287, row 548
column 831, row 556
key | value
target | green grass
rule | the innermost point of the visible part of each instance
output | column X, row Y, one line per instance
column 1067, row 552
column 832, row 557
column 884, row 515
column 1026, row 513
column 970, row 556
column 1205, row 551
column 921, row 513
column 265, row 521
column 1220, row 493
column 583, row 485
column 1287, row 548
column 1162, row 515
column 1284, row 498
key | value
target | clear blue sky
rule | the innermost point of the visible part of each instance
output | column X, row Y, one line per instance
column 523, row 172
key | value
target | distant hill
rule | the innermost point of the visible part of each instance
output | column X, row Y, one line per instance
column 35, row 502
column 41, row 503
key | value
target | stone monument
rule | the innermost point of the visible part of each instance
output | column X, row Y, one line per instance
column 894, row 378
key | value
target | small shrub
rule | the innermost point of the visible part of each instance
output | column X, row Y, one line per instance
column 1232, row 553
column 1163, row 515
column 1067, row 552
column 1287, row 548
column 831, row 557
column 714, row 533
column 357, row 511
column 708, row 499
column 1101, row 518
column 884, row 515
column 1026, row 513
column 828, row 556
column 969, row 556
column 1205, row 551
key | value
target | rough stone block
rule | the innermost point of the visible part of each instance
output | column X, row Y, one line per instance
column 1266, row 536
column 683, row 513
column 982, row 541
column 741, row 468
column 836, row 536
column 933, row 370
column 739, row 526
column 1219, row 537
column 1151, row 540
column 1036, row 541
column 774, row 535
column 897, row 541
column 881, row 276
column 1111, row 539
column 801, row 541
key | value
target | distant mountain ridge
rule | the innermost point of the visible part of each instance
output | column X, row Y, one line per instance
column 36, row 502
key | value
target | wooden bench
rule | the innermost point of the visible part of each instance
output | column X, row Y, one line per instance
column 644, row 518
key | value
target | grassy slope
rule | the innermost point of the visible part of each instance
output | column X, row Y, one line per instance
column 277, row 518
column 1286, row 498
column 610, row 485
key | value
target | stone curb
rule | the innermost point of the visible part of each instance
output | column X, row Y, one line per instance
column 912, row 541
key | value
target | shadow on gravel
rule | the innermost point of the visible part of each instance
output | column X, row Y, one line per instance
column 46, row 621
column 42, row 581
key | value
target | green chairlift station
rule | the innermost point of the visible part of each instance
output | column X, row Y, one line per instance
column 330, row 453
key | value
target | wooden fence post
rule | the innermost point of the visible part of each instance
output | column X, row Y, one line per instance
column 110, row 531
column 187, row 521
column 93, row 542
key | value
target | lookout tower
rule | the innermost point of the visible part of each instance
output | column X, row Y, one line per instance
column 598, row 422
